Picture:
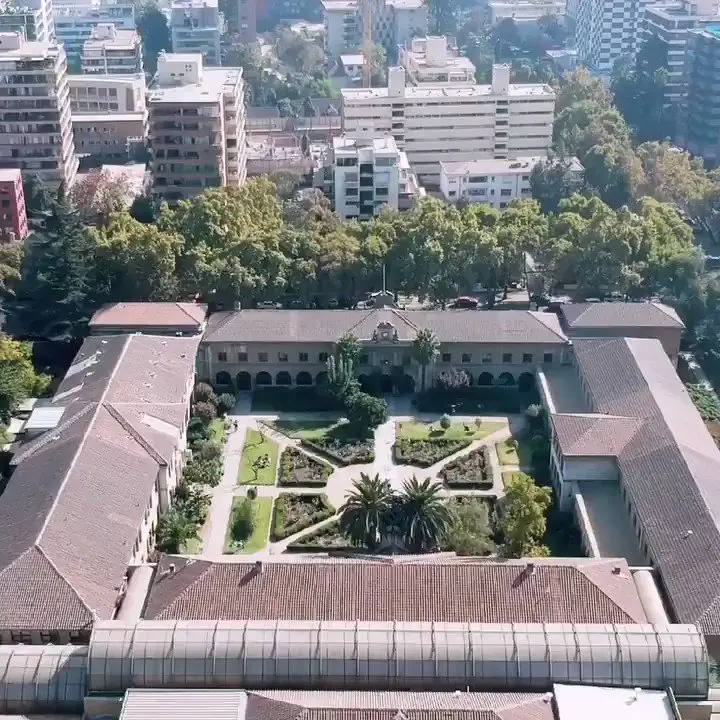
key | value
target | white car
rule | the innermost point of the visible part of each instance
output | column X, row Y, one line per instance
column 268, row 305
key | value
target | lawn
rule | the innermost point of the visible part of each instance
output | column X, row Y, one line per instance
column 259, row 538
column 415, row 430
column 508, row 455
column 256, row 445
column 305, row 429
column 193, row 547
column 217, row 431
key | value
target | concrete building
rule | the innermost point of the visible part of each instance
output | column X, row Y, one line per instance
column 606, row 30
column 698, row 127
column 241, row 17
column 196, row 26
column 668, row 25
column 35, row 124
column 109, row 115
column 74, row 23
column 524, row 11
column 13, row 218
column 454, row 123
column 434, row 60
column 362, row 176
column 395, row 22
column 112, row 51
column 494, row 182
column 32, row 18
column 197, row 127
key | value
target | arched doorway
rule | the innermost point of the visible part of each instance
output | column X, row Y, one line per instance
column 485, row 378
column 526, row 382
column 223, row 378
column 303, row 378
column 244, row 381
column 506, row 379
column 283, row 378
column 263, row 378
column 321, row 378
column 469, row 375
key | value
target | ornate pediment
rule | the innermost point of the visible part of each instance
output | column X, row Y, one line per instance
column 385, row 332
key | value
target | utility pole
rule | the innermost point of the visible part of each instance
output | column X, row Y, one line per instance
column 367, row 16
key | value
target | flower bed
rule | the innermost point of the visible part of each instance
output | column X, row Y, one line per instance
column 293, row 512
column 343, row 451
column 424, row 453
column 297, row 468
column 323, row 539
column 469, row 472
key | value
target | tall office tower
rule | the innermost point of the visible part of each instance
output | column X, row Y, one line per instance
column 35, row 125
column 196, row 26
column 197, row 127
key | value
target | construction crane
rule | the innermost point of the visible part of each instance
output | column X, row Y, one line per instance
column 367, row 46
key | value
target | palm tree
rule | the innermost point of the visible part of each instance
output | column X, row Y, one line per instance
column 426, row 348
column 364, row 516
column 425, row 518
column 174, row 530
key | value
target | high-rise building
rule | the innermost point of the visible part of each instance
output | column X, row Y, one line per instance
column 13, row 217
column 667, row 25
column 524, row 11
column 241, row 17
column 699, row 121
column 196, row 26
column 35, row 125
column 606, row 30
column 111, row 50
column 32, row 18
column 452, row 123
column 197, row 127
column 435, row 60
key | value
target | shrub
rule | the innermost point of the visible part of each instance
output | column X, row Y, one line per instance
column 206, row 450
column 471, row 471
column 453, row 381
column 423, row 453
column 366, row 412
column 445, row 422
column 203, row 472
column 293, row 513
column 471, row 400
column 243, row 522
column 297, row 468
column 534, row 411
column 471, row 532
column 205, row 411
column 705, row 401
column 204, row 393
column 193, row 502
column 252, row 493
column 302, row 399
column 197, row 430
column 225, row 403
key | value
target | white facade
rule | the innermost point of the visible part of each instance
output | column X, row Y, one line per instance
column 196, row 26
column 32, row 18
column 607, row 29
column 432, row 60
column 523, row 11
column 107, row 94
column 493, row 182
column 197, row 127
column 670, row 24
column 454, row 123
column 35, row 126
column 112, row 51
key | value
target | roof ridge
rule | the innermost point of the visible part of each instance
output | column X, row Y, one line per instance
column 127, row 426
column 224, row 321
column 591, row 570
column 538, row 318
column 209, row 565
column 370, row 313
column 667, row 310
column 179, row 305
column 407, row 320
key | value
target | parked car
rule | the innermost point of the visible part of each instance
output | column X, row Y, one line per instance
column 464, row 303
column 268, row 305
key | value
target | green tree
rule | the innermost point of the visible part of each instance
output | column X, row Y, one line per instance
column 425, row 348
column 364, row 516
column 203, row 472
column 243, row 521
column 154, row 32
column 523, row 515
column 551, row 183
column 426, row 520
column 11, row 260
column 174, row 531
column 18, row 379
column 193, row 502
column 38, row 198
column 366, row 412
column 348, row 347
column 341, row 385
column 470, row 531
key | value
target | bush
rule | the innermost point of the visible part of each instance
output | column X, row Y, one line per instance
column 197, row 430
column 445, row 422
column 366, row 412
column 297, row 468
column 479, row 398
column 323, row 539
column 472, row 471
column 225, row 403
column 203, row 472
column 302, row 399
column 206, row 450
column 423, row 453
column 205, row 411
column 193, row 502
column 243, row 522
column 344, row 445
column 252, row 492
column 472, row 531
column 204, row 393
column 293, row 513
column 453, row 381
column 705, row 401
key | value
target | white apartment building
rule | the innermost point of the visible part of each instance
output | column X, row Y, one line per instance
column 35, row 126
column 454, row 123
column 605, row 30
column 33, row 19
column 433, row 60
column 109, row 114
column 669, row 24
column 197, row 127
column 524, row 11
column 395, row 22
column 494, row 182
column 196, row 26
column 112, row 50
column 74, row 23
column 361, row 176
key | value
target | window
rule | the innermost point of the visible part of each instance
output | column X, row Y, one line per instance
column 487, row 358
column 506, row 193
column 527, row 357
column 477, row 179
column 466, row 357
column 262, row 357
column 507, row 357
column 282, row 357
column 322, row 357
column 222, row 357
column 547, row 357
column 242, row 357
column 364, row 359
column 447, row 357
column 50, row 637
column 21, row 637
column 351, row 192
column 303, row 357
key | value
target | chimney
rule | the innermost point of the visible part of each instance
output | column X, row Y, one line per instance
column 259, row 567
column 396, row 82
column 616, row 570
column 531, row 568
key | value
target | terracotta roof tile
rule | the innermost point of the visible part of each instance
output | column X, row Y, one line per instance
column 184, row 316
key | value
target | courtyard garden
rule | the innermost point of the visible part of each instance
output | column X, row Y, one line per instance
column 249, row 526
column 339, row 441
column 298, row 469
column 258, row 465
column 469, row 472
column 293, row 513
